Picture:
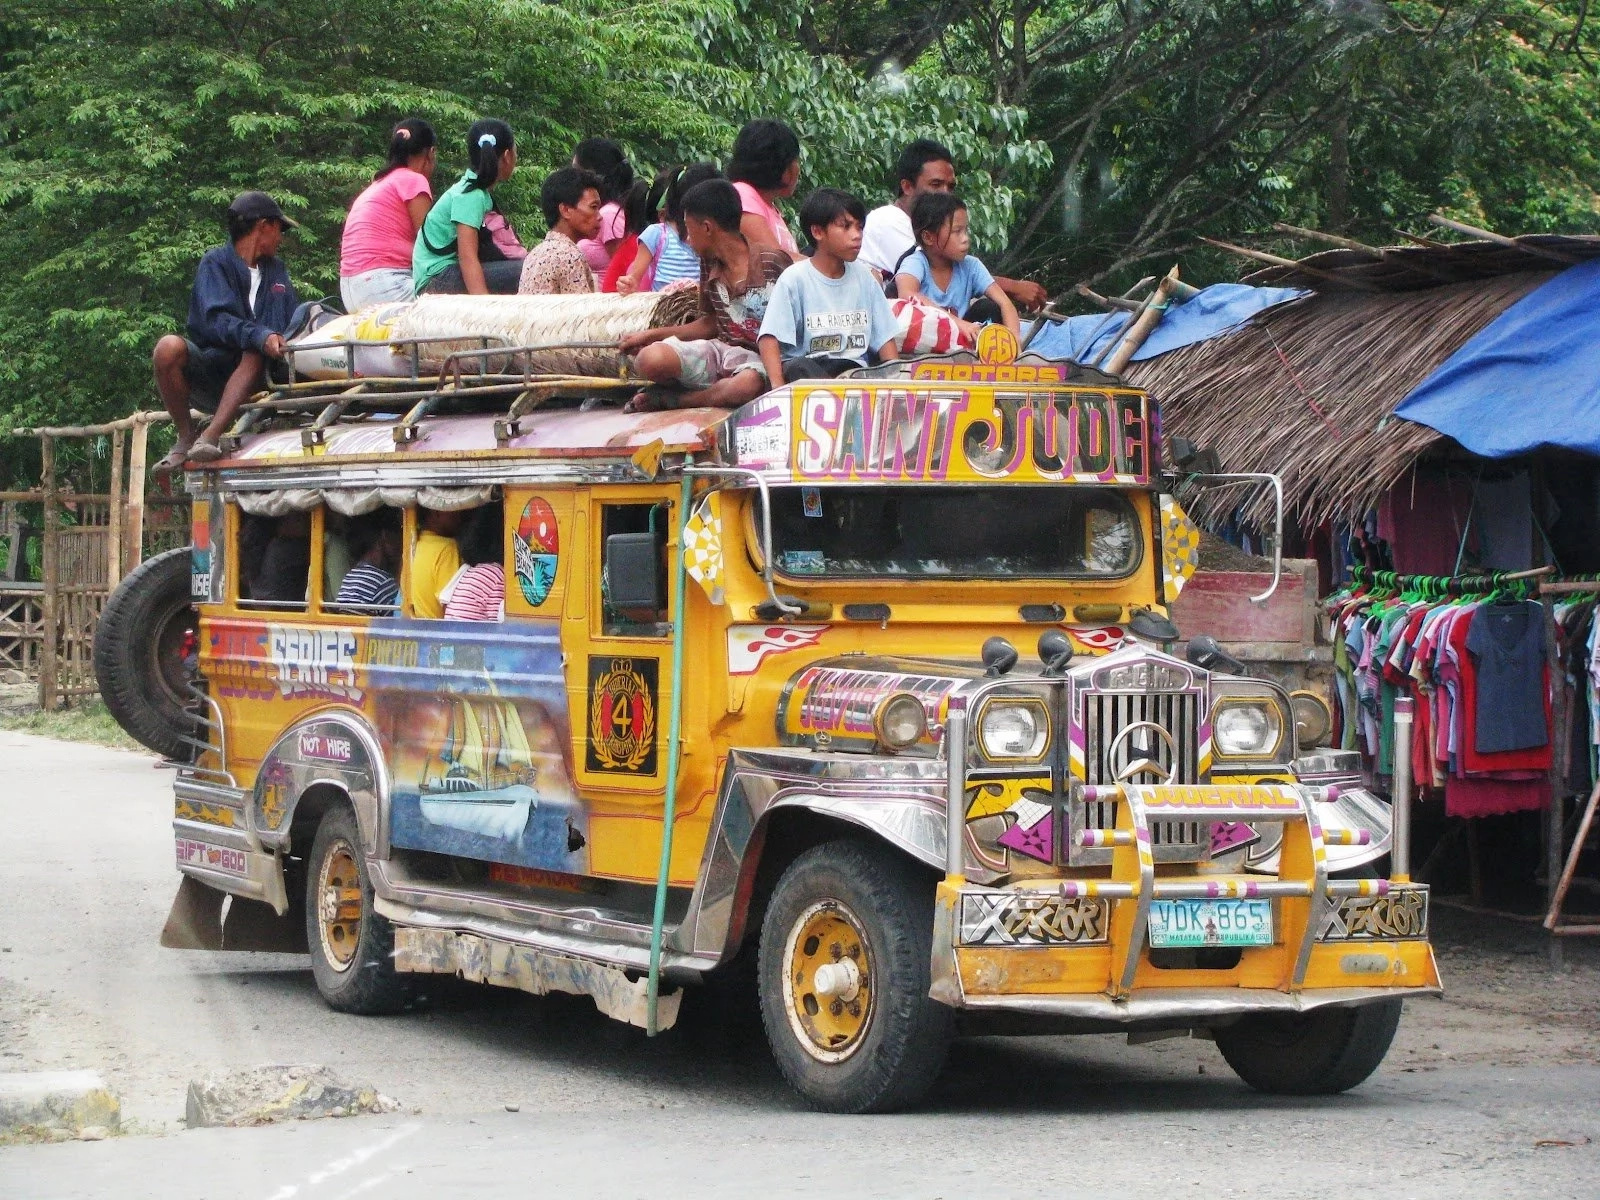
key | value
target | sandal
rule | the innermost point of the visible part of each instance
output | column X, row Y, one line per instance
column 204, row 451
column 174, row 461
column 651, row 399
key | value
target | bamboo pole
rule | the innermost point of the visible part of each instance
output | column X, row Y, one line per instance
column 50, row 569
column 1558, row 897
column 1500, row 239
column 1332, row 239
column 123, row 423
column 1139, row 328
column 133, row 552
column 119, row 439
column 1274, row 260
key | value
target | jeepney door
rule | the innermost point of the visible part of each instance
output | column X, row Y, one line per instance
column 619, row 672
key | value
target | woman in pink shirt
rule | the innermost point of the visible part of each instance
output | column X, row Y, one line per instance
column 765, row 166
column 381, row 228
column 606, row 159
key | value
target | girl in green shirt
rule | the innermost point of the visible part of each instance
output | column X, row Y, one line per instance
column 445, row 258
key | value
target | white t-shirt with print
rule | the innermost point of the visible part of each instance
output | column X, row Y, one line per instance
column 812, row 315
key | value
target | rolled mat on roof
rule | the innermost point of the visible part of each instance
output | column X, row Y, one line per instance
column 582, row 332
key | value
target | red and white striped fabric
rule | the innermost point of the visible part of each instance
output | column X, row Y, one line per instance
column 476, row 594
column 925, row 329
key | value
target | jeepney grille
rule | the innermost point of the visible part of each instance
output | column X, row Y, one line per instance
column 1106, row 714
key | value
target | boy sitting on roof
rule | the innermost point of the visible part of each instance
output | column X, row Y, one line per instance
column 570, row 198
column 241, row 306
column 715, row 355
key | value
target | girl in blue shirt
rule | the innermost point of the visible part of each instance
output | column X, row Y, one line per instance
column 941, row 273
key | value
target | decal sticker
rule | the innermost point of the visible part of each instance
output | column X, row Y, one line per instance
column 748, row 645
column 1401, row 914
column 325, row 747
column 1016, row 919
column 213, row 858
column 1034, row 832
column 803, row 562
column 1228, row 836
column 622, row 715
column 811, row 498
column 1180, row 546
column 702, row 546
column 761, row 438
column 537, row 551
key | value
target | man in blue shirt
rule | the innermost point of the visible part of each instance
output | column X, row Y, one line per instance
column 240, row 308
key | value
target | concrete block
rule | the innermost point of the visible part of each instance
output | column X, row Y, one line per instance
column 262, row 1095
column 67, row 1102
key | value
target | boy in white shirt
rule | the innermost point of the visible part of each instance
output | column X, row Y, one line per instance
column 827, row 314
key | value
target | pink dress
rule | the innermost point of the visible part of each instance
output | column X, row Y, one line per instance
column 754, row 203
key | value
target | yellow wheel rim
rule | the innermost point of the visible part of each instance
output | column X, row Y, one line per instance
column 830, row 982
column 339, row 905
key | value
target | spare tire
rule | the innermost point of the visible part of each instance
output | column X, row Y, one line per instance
column 139, row 654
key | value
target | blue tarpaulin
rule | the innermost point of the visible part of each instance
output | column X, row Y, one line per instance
column 1216, row 310
column 1529, row 378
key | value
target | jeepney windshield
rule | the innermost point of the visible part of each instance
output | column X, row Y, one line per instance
column 960, row 532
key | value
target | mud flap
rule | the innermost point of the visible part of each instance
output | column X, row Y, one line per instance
column 195, row 922
column 254, row 925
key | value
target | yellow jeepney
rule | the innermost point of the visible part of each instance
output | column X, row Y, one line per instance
column 866, row 684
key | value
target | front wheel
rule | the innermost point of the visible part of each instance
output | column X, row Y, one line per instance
column 352, row 946
column 1317, row 1053
column 844, row 976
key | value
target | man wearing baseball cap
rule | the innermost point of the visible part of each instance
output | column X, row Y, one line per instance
column 241, row 305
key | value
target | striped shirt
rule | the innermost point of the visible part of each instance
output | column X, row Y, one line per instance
column 477, row 594
column 670, row 256
column 367, row 585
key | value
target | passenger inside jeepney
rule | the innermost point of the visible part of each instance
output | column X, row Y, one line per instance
column 371, row 585
column 275, row 559
column 435, row 558
column 478, row 590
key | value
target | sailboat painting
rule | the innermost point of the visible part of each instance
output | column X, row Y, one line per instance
column 474, row 715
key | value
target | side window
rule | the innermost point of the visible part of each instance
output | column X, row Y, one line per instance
column 458, row 564
column 274, row 561
column 361, row 563
column 633, row 575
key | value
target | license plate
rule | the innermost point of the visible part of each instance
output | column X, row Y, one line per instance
column 1211, row 923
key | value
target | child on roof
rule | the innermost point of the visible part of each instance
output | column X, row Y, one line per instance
column 664, row 256
column 714, row 357
column 570, row 198
column 449, row 254
column 827, row 314
column 940, row 272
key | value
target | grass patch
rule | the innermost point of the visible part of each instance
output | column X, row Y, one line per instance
column 86, row 722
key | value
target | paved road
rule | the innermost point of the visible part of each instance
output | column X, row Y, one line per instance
column 86, row 860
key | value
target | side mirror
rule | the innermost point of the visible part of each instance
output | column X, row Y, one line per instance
column 633, row 575
column 1192, row 460
column 1055, row 651
column 1204, row 653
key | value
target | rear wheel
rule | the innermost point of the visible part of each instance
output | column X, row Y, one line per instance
column 139, row 659
column 843, row 973
column 352, row 947
column 1317, row 1053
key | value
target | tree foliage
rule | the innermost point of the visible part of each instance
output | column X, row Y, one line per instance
column 1097, row 138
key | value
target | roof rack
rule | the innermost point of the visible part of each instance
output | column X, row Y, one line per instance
column 350, row 397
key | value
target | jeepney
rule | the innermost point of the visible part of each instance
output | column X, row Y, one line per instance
column 866, row 685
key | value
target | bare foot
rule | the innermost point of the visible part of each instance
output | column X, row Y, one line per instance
column 651, row 399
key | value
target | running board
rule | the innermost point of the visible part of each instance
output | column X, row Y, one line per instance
column 510, row 964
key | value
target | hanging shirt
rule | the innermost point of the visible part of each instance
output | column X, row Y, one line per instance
column 1508, row 645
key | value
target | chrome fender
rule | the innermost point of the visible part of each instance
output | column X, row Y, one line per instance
column 335, row 747
column 898, row 800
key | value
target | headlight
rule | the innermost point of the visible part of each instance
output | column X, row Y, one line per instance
column 1017, row 729
column 1313, row 720
column 899, row 721
column 1246, row 728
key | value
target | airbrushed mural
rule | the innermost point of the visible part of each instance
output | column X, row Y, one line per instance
column 475, row 720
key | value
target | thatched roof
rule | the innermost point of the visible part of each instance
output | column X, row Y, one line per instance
column 1308, row 390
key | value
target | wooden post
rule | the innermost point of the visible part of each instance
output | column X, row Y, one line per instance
column 119, row 441
column 49, row 617
column 133, row 551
